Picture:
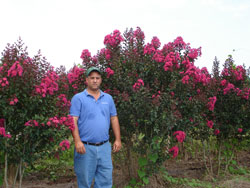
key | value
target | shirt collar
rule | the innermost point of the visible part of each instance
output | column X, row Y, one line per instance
column 87, row 94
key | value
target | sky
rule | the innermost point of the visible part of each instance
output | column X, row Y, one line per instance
column 61, row 29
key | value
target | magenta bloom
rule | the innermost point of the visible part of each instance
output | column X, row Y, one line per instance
column 168, row 66
column 185, row 79
column 3, row 133
column 15, row 69
column 210, row 124
column 85, row 54
column 113, row 39
column 240, row 130
column 156, row 42
column 194, row 53
column 48, row 84
column 32, row 123
column 4, row 82
column 138, row 33
column 68, row 122
column 211, row 103
column 65, row 144
column 175, row 151
column 109, row 71
column 228, row 88
column 149, row 49
column 223, row 82
column 217, row 131
column 180, row 136
column 138, row 84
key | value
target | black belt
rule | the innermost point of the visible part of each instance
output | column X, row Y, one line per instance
column 95, row 144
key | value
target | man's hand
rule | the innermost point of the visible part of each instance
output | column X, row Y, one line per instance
column 80, row 147
column 117, row 146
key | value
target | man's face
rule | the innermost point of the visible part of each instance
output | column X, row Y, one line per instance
column 94, row 80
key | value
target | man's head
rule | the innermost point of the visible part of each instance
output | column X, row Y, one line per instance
column 93, row 78
column 92, row 69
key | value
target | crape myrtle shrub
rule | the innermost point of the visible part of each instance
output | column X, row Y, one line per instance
column 160, row 94
column 33, row 106
column 231, row 87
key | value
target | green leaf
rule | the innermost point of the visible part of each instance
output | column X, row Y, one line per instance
column 142, row 161
column 141, row 173
column 145, row 180
column 234, row 162
column 132, row 181
column 153, row 157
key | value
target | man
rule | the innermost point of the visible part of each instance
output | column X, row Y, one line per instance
column 92, row 111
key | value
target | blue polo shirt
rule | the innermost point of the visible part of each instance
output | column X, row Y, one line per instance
column 93, row 115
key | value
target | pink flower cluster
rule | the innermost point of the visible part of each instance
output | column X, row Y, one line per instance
column 32, row 123
column 54, row 122
column 68, row 122
column 211, row 103
column 237, row 73
column 194, row 53
column 138, row 33
column 113, row 40
column 138, row 84
column 185, row 79
column 15, row 69
column 62, row 101
column 179, row 43
column 155, row 42
column 171, row 59
column 228, row 88
column 86, row 55
column 180, row 136
column 217, row 132
column 198, row 75
column 106, row 53
column 240, row 130
column 210, row 124
column 3, row 133
column 74, row 74
column 4, row 82
column 158, row 56
column 149, row 49
column 156, row 95
column 175, row 151
column 48, row 84
column 109, row 72
column 245, row 93
column 65, row 144
column 13, row 101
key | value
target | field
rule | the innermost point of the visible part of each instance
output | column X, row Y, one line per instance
column 189, row 172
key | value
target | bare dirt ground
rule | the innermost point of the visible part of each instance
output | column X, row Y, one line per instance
column 190, row 168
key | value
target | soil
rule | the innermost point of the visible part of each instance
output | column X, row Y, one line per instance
column 190, row 168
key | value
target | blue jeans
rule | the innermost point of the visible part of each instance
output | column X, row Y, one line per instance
column 96, row 164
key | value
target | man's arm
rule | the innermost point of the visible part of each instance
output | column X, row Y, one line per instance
column 78, row 143
column 116, row 129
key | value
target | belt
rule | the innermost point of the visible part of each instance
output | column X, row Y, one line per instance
column 95, row 144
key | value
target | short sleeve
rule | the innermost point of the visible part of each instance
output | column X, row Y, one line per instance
column 113, row 111
column 75, row 107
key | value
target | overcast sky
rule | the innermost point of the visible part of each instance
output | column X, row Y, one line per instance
column 63, row 28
